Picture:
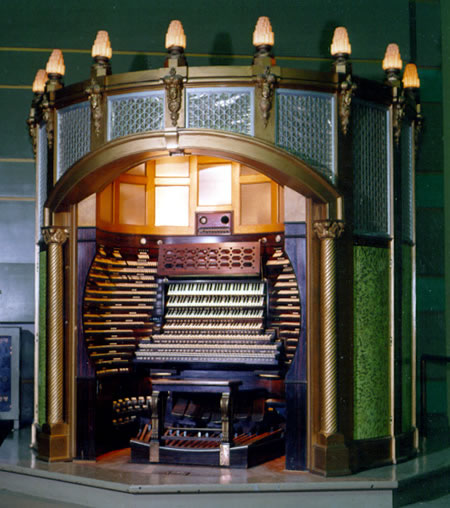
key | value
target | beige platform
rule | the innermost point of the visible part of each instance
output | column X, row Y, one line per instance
column 113, row 481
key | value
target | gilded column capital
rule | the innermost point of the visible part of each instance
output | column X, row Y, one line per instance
column 55, row 234
column 328, row 229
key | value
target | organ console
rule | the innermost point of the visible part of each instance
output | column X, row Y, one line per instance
column 222, row 321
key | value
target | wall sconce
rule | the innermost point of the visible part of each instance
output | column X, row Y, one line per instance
column 341, row 50
column 411, row 84
column 263, row 40
column 175, row 45
column 102, row 54
column 411, row 77
column 55, row 67
column 38, row 87
column 392, row 64
column 39, row 82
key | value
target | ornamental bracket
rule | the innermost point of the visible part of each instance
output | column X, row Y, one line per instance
column 347, row 89
column 418, row 129
column 47, row 115
column 32, row 130
column 266, row 83
column 398, row 112
column 174, row 87
column 95, row 95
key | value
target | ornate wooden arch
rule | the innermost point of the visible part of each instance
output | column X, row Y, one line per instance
column 100, row 167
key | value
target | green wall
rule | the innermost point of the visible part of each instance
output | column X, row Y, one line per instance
column 218, row 33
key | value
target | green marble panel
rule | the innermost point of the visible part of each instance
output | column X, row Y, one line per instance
column 42, row 327
column 372, row 335
column 407, row 329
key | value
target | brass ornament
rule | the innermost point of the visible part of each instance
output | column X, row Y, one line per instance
column 418, row 129
column 47, row 115
column 94, row 93
column 398, row 112
column 174, row 87
column 266, row 83
column 347, row 89
column 32, row 131
column 328, row 229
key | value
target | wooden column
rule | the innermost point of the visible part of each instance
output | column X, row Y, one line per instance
column 331, row 455
column 53, row 441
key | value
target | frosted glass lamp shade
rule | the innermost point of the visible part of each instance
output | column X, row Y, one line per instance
column 175, row 35
column 392, row 59
column 102, row 46
column 341, row 43
column 263, row 34
column 55, row 64
column 39, row 81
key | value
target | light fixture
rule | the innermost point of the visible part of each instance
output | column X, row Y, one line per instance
column 411, row 77
column 176, row 43
column 55, row 66
column 101, row 53
column 341, row 50
column 102, row 47
column 392, row 64
column 39, row 82
column 263, row 37
column 38, row 87
column 341, row 44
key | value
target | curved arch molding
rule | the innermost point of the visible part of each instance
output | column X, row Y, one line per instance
column 100, row 167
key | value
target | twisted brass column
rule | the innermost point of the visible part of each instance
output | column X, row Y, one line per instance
column 328, row 231
column 55, row 237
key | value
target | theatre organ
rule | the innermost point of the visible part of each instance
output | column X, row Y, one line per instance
column 204, row 323
column 227, row 256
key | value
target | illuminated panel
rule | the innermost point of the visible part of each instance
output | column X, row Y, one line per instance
column 132, row 208
column 214, row 185
column 172, row 205
column 256, row 203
